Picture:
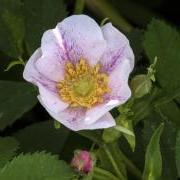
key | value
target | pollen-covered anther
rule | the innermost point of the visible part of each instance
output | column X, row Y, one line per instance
column 83, row 85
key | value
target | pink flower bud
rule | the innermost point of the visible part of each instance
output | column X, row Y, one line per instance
column 82, row 161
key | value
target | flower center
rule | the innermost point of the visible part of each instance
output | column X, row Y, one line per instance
column 83, row 85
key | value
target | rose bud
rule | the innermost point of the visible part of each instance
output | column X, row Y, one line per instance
column 82, row 161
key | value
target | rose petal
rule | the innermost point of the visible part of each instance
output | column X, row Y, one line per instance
column 32, row 75
column 53, row 59
column 51, row 68
column 30, row 72
column 74, row 118
column 93, row 114
column 118, row 82
column 51, row 99
column 117, row 49
column 82, row 38
column 105, row 121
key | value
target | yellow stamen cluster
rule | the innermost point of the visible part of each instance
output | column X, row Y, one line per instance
column 83, row 85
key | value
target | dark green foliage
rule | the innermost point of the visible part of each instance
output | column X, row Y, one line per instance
column 8, row 148
column 163, row 41
column 16, row 98
column 42, row 136
column 40, row 16
column 12, row 28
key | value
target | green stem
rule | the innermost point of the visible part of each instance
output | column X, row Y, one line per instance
column 132, row 168
column 120, row 175
column 79, row 6
column 14, row 63
column 103, row 173
column 92, row 146
column 105, row 9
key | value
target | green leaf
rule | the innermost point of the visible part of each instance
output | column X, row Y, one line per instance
column 130, row 137
column 163, row 41
column 16, row 98
column 168, row 137
column 124, row 130
column 40, row 16
column 8, row 148
column 125, row 126
column 177, row 154
column 12, row 28
column 42, row 136
column 36, row 166
column 153, row 159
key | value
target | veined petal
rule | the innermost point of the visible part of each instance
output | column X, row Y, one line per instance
column 117, row 49
column 95, row 113
column 105, row 121
column 51, row 67
column 30, row 73
column 74, row 119
column 51, row 99
column 118, row 82
column 82, row 38
column 54, row 57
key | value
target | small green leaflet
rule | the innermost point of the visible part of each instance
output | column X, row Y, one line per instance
column 153, row 159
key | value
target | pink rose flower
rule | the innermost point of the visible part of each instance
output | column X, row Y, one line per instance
column 82, row 161
column 82, row 72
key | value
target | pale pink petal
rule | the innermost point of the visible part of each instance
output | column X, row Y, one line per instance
column 32, row 74
column 117, row 49
column 53, row 59
column 74, row 119
column 96, row 112
column 52, row 43
column 51, row 99
column 118, row 82
column 51, row 68
column 82, row 37
column 106, row 121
